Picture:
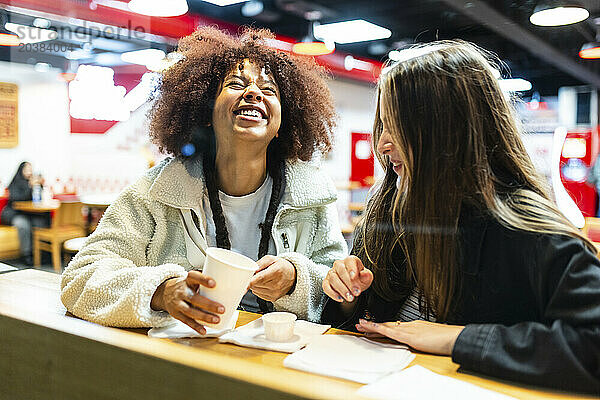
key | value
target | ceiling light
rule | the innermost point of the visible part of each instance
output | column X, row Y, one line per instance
column 556, row 13
column 30, row 34
column 357, row 30
column 222, row 3
column 311, row 47
column 42, row 67
column 67, row 76
column 143, row 57
column 159, row 8
column 351, row 63
column 394, row 55
column 590, row 50
column 413, row 52
column 41, row 23
column 7, row 38
column 377, row 48
column 252, row 8
column 514, row 85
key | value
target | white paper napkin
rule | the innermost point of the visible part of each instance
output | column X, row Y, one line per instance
column 418, row 382
column 179, row 330
column 350, row 357
column 253, row 335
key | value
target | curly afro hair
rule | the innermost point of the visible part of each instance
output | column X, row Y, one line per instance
column 187, row 91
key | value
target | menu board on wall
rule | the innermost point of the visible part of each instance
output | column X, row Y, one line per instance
column 9, row 130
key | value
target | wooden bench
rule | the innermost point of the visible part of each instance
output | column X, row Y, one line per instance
column 9, row 243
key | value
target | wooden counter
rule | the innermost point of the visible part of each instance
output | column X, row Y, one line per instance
column 47, row 354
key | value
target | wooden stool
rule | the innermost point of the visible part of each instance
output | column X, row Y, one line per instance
column 67, row 223
column 72, row 246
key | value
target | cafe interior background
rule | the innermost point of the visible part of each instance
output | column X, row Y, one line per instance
column 76, row 76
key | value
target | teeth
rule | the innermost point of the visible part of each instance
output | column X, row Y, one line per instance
column 251, row 113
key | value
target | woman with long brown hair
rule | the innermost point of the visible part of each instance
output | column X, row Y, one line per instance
column 241, row 120
column 461, row 251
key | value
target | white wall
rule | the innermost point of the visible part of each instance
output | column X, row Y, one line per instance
column 355, row 104
column 43, row 120
column 45, row 139
column 96, row 162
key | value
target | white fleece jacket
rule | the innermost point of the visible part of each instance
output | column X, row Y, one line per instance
column 141, row 241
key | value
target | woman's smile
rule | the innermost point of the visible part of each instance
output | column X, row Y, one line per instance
column 397, row 167
column 253, row 114
column 247, row 106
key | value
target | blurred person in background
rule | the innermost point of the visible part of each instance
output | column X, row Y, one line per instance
column 461, row 251
column 241, row 120
column 21, row 188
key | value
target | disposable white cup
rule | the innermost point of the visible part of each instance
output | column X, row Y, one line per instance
column 279, row 326
column 232, row 273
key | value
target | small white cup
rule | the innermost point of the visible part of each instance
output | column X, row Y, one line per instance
column 232, row 273
column 279, row 326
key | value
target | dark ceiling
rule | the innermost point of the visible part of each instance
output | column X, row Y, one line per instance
column 546, row 56
column 426, row 20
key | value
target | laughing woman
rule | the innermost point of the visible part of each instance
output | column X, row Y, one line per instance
column 461, row 251
column 240, row 119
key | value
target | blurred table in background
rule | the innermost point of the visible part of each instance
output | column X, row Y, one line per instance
column 35, row 207
column 47, row 353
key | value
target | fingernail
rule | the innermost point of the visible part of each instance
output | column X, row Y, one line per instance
column 362, row 321
column 349, row 296
column 340, row 298
column 352, row 274
column 211, row 282
column 215, row 319
column 221, row 309
column 356, row 291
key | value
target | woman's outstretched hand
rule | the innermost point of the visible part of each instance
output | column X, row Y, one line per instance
column 424, row 336
column 347, row 279
column 180, row 298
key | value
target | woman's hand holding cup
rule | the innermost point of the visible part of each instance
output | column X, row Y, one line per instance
column 347, row 279
column 180, row 298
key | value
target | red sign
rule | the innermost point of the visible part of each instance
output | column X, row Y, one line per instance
column 362, row 166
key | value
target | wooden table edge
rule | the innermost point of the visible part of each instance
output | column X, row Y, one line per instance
column 278, row 379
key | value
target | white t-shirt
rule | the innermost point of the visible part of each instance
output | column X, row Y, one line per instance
column 242, row 216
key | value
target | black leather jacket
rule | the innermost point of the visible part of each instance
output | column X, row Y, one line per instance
column 530, row 303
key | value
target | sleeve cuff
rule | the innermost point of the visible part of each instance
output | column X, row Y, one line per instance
column 471, row 344
column 306, row 300
column 146, row 315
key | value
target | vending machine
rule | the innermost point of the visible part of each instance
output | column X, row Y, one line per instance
column 579, row 152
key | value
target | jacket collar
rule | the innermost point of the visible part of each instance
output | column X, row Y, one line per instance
column 180, row 184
